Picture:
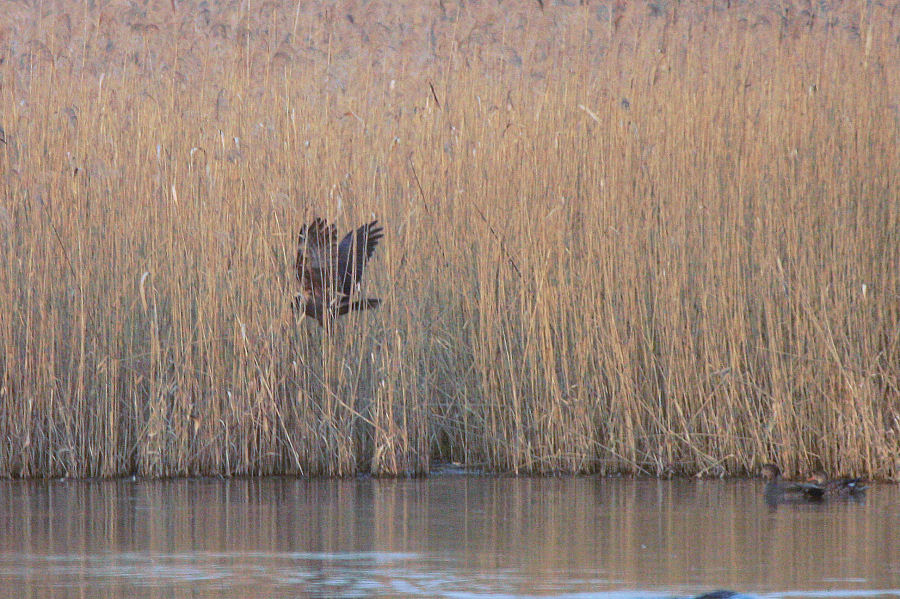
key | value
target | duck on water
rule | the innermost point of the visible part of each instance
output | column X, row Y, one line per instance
column 815, row 490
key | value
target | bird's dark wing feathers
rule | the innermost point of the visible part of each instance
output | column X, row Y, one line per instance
column 353, row 253
column 316, row 255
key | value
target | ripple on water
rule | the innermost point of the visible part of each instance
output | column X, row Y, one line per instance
column 449, row 536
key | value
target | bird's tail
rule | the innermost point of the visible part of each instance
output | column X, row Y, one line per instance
column 364, row 304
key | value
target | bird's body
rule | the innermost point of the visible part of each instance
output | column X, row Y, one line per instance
column 780, row 491
column 839, row 488
column 330, row 272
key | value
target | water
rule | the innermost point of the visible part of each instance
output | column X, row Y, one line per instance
column 446, row 536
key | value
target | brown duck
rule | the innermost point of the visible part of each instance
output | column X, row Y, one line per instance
column 838, row 488
column 780, row 491
column 330, row 272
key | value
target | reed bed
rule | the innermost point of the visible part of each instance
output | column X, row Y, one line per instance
column 656, row 238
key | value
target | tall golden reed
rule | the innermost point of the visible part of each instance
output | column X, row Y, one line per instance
column 653, row 237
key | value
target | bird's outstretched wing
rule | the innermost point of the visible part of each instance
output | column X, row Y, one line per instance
column 353, row 252
column 316, row 258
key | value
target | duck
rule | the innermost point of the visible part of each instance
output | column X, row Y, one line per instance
column 780, row 491
column 838, row 488
column 720, row 594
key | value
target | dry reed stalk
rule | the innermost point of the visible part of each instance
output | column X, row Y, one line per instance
column 618, row 240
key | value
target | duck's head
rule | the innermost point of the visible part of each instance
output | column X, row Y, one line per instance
column 770, row 471
column 818, row 477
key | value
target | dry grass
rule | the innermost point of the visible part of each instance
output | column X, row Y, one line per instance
column 618, row 238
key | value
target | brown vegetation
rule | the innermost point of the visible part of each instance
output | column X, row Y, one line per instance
column 651, row 237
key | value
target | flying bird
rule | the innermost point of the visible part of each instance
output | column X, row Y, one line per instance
column 330, row 272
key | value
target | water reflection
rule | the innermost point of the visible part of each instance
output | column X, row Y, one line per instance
column 445, row 536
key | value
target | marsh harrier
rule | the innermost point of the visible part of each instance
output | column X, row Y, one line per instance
column 329, row 272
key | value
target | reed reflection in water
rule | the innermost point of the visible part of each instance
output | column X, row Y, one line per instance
column 455, row 536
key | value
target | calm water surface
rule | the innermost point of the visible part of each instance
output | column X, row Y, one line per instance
column 447, row 536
